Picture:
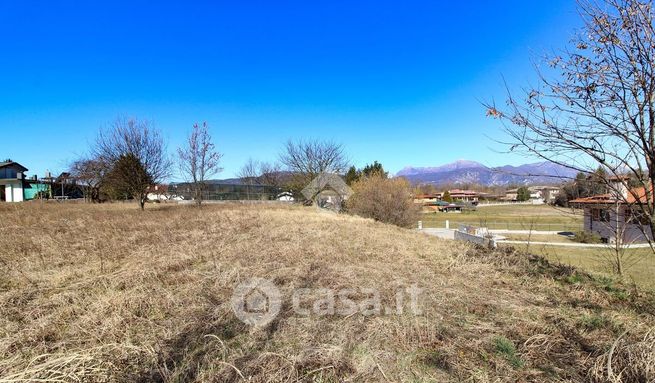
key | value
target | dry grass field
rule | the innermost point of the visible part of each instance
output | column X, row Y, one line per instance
column 107, row 293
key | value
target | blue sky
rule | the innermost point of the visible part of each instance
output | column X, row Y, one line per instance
column 397, row 82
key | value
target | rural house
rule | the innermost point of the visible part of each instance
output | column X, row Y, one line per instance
column 16, row 187
column 511, row 195
column 545, row 193
column 12, row 181
column 427, row 199
column 464, row 195
column 613, row 216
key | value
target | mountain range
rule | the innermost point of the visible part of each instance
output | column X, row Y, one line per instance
column 471, row 172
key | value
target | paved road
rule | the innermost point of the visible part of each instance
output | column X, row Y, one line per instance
column 566, row 244
column 443, row 231
column 450, row 234
column 535, row 232
column 439, row 232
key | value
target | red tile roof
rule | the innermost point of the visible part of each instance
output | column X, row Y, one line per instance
column 637, row 195
column 634, row 195
column 423, row 196
column 463, row 192
column 600, row 198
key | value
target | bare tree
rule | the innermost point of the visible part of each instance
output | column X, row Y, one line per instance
column 256, row 172
column 139, row 152
column 595, row 103
column 249, row 172
column 270, row 174
column 199, row 160
column 89, row 173
column 306, row 160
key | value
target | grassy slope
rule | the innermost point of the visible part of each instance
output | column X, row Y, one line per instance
column 639, row 264
column 514, row 217
column 108, row 293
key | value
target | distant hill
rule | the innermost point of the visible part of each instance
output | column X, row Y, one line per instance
column 227, row 181
column 471, row 172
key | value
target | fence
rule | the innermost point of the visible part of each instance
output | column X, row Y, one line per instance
column 228, row 192
column 234, row 196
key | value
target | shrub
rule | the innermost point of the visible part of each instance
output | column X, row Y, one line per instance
column 523, row 194
column 587, row 237
column 385, row 200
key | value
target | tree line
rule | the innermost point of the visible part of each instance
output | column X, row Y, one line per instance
column 130, row 156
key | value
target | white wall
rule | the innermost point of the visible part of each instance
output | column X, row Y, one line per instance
column 632, row 233
column 14, row 191
column 463, row 236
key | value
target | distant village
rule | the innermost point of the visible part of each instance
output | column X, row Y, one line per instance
column 458, row 199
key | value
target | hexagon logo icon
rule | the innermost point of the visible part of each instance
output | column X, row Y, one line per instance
column 327, row 190
column 256, row 301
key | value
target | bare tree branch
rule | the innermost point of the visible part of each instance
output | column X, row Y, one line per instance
column 595, row 103
column 199, row 160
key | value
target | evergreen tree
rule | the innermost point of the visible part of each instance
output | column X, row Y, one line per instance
column 374, row 168
column 352, row 175
column 523, row 194
column 128, row 178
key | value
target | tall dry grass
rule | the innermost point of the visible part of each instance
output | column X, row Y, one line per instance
column 106, row 293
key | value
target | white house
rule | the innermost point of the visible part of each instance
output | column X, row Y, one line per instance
column 538, row 194
column 613, row 216
column 550, row 193
column 12, row 181
column 546, row 193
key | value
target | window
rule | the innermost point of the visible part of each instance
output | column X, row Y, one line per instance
column 604, row 215
column 595, row 214
column 600, row 215
column 637, row 217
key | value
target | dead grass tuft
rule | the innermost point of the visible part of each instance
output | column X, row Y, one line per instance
column 626, row 361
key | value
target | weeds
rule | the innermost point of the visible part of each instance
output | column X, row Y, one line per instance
column 593, row 322
column 507, row 350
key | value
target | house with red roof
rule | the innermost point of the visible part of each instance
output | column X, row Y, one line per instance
column 464, row 195
column 427, row 199
column 617, row 215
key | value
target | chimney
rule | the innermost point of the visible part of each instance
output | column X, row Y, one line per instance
column 619, row 187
